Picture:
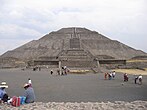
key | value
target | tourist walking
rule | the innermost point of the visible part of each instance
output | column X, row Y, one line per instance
column 125, row 77
column 62, row 71
column 29, row 94
column 51, row 72
column 135, row 79
column 140, row 79
column 3, row 94
column 113, row 74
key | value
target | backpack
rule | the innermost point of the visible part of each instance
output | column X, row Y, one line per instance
column 15, row 101
column 22, row 100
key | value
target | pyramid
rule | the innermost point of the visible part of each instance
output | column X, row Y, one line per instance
column 73, row 45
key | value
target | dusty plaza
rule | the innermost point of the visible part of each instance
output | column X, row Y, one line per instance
column 88, row 87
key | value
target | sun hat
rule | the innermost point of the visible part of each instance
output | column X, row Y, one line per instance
column 25, row 85
column 3, row 84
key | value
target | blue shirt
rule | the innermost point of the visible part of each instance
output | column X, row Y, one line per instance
column 2, row 92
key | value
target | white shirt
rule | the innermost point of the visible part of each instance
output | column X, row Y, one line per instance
column 113, row 73
column 29, row 81
column 140, row 77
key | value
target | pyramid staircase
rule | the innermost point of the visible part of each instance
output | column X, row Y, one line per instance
column 75, row 56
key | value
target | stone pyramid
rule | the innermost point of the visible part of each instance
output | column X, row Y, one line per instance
column 74, row 40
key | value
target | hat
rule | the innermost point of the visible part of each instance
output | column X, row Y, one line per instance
column 25, row 85
column 3, row 84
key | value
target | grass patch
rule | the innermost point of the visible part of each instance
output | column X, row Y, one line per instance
column 132, row 71
column 145, row 69
column 79, row 71
column 131, row 61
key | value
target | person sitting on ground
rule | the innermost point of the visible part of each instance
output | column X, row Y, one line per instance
column 3, row 94
column 29, row 94
column 140, row 79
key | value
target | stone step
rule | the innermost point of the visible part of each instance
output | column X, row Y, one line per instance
column 79, row 64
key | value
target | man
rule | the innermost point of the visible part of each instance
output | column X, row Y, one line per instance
column 3, row 94
column 135, row 80
column 140, row 79
column 29, row 94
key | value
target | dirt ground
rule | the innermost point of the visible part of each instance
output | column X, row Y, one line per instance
column 74, row 87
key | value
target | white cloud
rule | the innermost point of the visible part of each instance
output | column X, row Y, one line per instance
column 124, row 20
column 14, row 31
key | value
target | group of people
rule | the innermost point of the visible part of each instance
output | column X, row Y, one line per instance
column 137, row 79
column 28, row 93
column 110, row 75
column 64, row 71
column 36, row 68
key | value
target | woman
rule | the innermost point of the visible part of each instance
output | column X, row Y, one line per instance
column 3, row 94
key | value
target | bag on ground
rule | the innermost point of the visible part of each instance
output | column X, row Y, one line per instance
column 15, row 101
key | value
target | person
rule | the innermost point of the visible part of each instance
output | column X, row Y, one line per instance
column 135, row 80
column 65, row 70
column 62, row 71
column 58, row 71
column 29, row 94
column 39, row 68
column 51, row 72
column 113, row 74
column 65, row 67
column 3, row 94
column 140, row 79
column 125, row 77
column 105, row 75
column 30, row 82
column 110, row 76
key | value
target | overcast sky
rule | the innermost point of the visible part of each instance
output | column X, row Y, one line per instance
column 24, row 20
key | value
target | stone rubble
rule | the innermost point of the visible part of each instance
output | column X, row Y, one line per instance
column 117, row 105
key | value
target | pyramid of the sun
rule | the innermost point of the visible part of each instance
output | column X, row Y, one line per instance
column 73, row 47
